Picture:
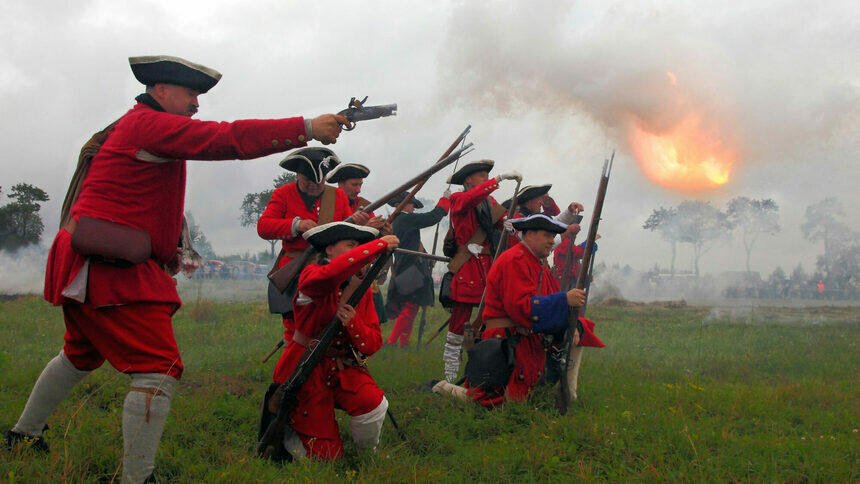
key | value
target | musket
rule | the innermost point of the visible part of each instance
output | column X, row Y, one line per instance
column 357, row 111
column 438, row 331
column 472, row 329
column 423, row 322
column 270, row 445
column 424, row 255
column 286, row 274
column 563, row 396
column 276, row 348
column 417, row 187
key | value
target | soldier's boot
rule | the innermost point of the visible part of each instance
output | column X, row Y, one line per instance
column 54, row 384
column 144, row 414
column 447, row 388
column 365, row 428
column 451, row 355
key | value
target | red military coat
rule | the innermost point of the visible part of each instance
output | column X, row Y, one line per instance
column 316, row 302
column 559, row 258
column 285, row 205
column 138, row 179
column 513, row 283
column 468, row 283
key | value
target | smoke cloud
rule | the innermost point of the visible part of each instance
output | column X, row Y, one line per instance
column 764, row 90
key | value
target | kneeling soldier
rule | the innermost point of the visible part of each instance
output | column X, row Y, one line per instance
column 341, row 380
column 523, row 301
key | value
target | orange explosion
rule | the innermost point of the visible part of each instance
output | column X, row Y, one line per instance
column 689, row 158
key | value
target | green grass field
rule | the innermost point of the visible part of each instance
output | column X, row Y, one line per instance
column 677, row 394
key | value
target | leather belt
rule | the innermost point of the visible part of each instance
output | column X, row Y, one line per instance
column 305, row 341
column 496, row 323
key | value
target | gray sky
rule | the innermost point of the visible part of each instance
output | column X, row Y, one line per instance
column 550, row 89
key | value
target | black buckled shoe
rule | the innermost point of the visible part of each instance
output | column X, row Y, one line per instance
column 13, row 439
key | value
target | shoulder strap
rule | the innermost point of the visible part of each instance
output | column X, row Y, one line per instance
column 88, row 152
column 327, row 205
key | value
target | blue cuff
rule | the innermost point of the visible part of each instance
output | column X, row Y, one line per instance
column 549, row 313
column 593, row 250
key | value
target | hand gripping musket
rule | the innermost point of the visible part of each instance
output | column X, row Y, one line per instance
column 285, row 275
column 357, row 111
column 475, row 328
column 566, row 387
column 270, row 445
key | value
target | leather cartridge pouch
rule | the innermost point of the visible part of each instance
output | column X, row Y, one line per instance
column 110, row 242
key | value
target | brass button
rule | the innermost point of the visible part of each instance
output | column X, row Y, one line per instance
column 379, row 244
column 534, row 318
column 287, row 142
column 351, row 259
column 365, row 252
column 301, row 137
column 274, row 143
column 362, row 345
column 536, row 301
column 356, row 336
column 351, row 326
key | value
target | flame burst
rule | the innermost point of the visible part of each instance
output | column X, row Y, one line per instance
column 688, row 158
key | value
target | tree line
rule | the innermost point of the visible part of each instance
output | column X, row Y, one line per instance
column 702, row 225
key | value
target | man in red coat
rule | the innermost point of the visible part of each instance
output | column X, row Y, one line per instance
column 476, row 220
column 341, row 380
column 119, row 311
column 534, row 199
column 522, row 303
column 298, row 207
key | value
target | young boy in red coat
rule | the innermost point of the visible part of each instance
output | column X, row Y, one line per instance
column 341, row 380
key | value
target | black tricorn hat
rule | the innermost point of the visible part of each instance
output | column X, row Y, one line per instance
column 531, row 192
column 538, row 221
column 313, row 162
column 324, row 235
column 460, row 175
column 399, row 198
column 347, row 171
column 156, row 69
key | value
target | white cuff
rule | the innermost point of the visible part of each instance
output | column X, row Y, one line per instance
column 309, row 130
column 294, row 231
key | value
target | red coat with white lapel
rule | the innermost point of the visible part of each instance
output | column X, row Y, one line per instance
column 285, row 205
column 468, row 283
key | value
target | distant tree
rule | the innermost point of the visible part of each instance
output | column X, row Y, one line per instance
column 254, row 204
column 799, row 276
column 754, row 218
column 664, row 221
column 700, row 225
column 198, row 239
column 778, row 274
column 845, row 257
column 20, row 222
column 284, row 178
column 821, row 223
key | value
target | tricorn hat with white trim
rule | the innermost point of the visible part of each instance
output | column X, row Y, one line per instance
column 347, row 171
column 324, row 235
column 158, row 69
column 312, row 162
column 474, row 166
column 538, row 221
